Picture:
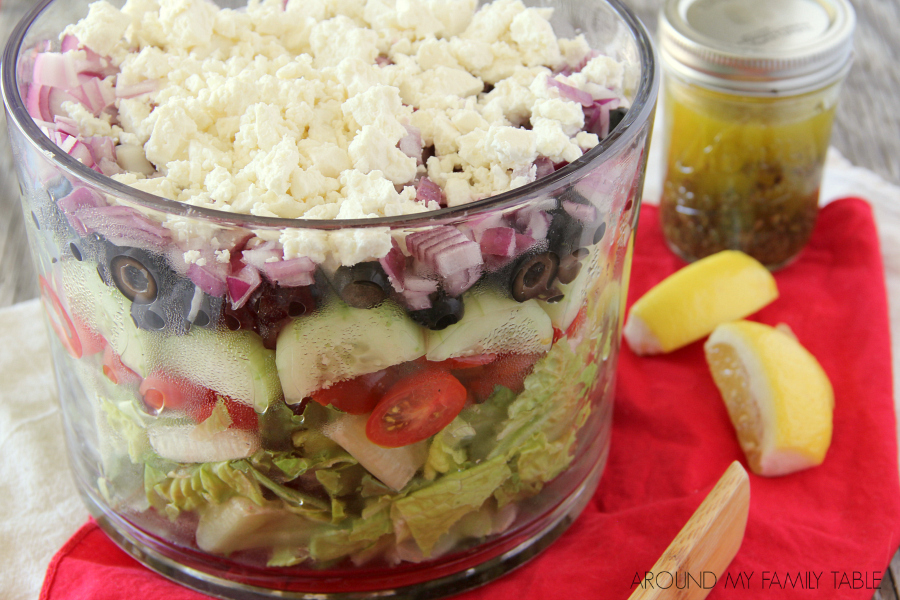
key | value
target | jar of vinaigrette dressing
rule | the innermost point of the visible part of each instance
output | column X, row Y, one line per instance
column 750, row 93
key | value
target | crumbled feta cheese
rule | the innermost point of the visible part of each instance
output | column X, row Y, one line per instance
column 102, row 30
column 296, row 109
column 565, row 112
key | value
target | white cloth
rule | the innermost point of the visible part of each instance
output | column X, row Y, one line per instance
column 39, row 507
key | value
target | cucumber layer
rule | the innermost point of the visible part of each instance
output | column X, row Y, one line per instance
column 494, row 324
column 341, row 342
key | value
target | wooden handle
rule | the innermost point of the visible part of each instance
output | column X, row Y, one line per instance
column 704, row 548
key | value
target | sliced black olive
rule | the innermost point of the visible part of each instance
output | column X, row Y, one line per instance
column 565, row 232
column 444, row 312
column 615, row 117
column 59, row 189
column 599, row 233
column 534, row 277
column 363, row 285
column 140, row 275
column 147, row 317
column 200, row 309
column 570, row 194
column 570, row 266
column 169, row 309
column 133, row 278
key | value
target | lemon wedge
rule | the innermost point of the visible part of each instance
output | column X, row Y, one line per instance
column 778, row 396
column 688, row 304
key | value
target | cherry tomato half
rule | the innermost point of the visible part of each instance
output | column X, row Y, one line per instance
column 356, row 396
column 415, row 408
column 60, row 320
column 576, row 328
column 466, row 362
column 509, row 371
column 166, row 392
column 115, row 370
column 76, row 337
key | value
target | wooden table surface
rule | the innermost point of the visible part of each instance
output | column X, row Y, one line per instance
column 867, row 132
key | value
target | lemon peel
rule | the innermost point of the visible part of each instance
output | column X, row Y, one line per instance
column 778, row 397
column 687, row 305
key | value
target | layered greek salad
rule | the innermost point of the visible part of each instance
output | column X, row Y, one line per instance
column 310, row 396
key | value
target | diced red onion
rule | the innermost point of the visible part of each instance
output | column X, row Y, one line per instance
column 37, row 102
column 411, row 143
column 447, row 251
column 209, row 278
column 543, row 167
column 394, row 265
column 493, row 263
column 56, row 69
column 291, row 273
column 78, row 198
column 420, row 285
column 137, row 89
column 108, row 167
column 538, row 224
column 478, row 225
column 64, row 124
column 429, row 191
column 416, row 301
column 451, row 259
column 241, row 285
column 460, row 281
column 524, row 242
column 499, row 241
column 95, row 65
column 597, row 116
column 571, row 93
column 69, row 42
column 102, row 147
column 123, row 225
column 584, row 61
column 56, row 99
column 585, row 213
column 417, row 243
column 97, row 96
column 258, row 256
column 80, row 152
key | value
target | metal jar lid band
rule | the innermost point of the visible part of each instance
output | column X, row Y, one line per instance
column 758, row 47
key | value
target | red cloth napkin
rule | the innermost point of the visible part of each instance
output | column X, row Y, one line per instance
column 828, row 531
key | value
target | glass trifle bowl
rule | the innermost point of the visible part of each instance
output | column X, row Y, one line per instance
column 268, row 395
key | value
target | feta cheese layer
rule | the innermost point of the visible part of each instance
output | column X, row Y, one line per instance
column 333, row 109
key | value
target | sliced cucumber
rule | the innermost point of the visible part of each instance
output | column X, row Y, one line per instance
column 394, row 467
column 562, row 313
column 105, row 310
column 492, row 324
column 341, row 342
column 233, row 363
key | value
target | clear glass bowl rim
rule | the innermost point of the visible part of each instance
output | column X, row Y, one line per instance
column 642, row 109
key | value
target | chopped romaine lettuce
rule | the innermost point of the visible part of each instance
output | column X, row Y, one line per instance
column 429, row 512
column 447, row 452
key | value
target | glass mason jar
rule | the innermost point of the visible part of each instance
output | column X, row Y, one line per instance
column 242, row 437
column 750, row 93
